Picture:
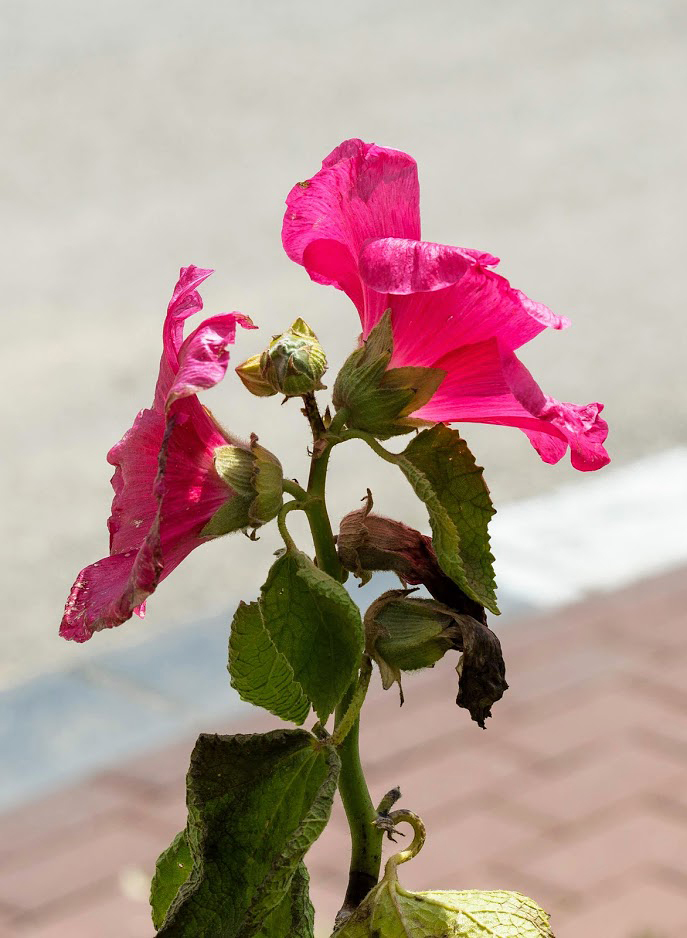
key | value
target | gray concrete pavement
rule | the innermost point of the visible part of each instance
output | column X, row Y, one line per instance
column 139, row 137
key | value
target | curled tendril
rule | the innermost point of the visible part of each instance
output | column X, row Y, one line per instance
column 389, row 823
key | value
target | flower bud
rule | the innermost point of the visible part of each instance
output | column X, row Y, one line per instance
column 256, row 476
column 294, row 362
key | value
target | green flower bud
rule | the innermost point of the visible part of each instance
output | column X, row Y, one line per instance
column 250, row 372
column 378, row 399
column 256, row 476
column 294, row 362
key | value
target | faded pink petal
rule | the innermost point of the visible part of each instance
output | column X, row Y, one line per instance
column 165, row 484
column 356, row 225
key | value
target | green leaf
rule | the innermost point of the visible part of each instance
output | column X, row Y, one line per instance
column 259, row 672
column 294, row 917
column 315, row 625
column 444, row 475
column 172, row 869
column 255, row 805
column 390, row 911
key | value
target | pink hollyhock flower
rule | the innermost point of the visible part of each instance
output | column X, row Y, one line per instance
column 165, row 484
column 356, row 225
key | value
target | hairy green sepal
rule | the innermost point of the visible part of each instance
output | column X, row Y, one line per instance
column 299, row 645
column 255, row 805
column 378, row 399
column 444, row 475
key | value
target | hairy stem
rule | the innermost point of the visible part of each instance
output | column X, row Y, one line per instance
column 293, row 488
column 281, row 523
column 366, row 840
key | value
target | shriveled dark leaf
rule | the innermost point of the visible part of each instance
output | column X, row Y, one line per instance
column 481, row 669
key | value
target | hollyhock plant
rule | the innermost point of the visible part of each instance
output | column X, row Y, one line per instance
column 356, row 225
column 165, row 483
column 439, row 334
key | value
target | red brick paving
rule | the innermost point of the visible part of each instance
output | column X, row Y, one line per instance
column 576, row 794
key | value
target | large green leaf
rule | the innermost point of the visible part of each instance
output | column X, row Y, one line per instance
column 294, row 917
column 315, row 625
column 172, row 869
column 392, row 912
column 255, row 805
column 259, row 672
column 444, row 475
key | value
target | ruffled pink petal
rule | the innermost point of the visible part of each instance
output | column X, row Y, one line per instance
column 362, row 191
column 399, row 265
column 187, row 493
column 579, row 424
column 184, row 303
column 481, row 305
column 485, row 384
column 203, row 358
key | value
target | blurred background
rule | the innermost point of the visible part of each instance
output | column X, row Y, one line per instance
column 140, row 137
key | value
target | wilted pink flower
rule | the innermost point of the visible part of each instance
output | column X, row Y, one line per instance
column 356, row 225
column 166, row 487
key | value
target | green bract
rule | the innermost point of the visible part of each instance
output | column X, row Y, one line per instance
column 299, row 645
column 255, row 805
column 378, row 399
column 256, row 476
column 406, row 634
column 390, row 911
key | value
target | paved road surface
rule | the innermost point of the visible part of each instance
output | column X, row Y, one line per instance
column 139, row 137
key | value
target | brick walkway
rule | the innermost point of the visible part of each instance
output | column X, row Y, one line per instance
column 576, row 794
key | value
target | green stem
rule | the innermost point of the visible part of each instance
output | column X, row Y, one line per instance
column 281, row 523
column 318, row 518
column 366, row 840
column 374, row 445
column 293, row 488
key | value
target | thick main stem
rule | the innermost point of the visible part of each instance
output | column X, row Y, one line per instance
column 366, row 840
